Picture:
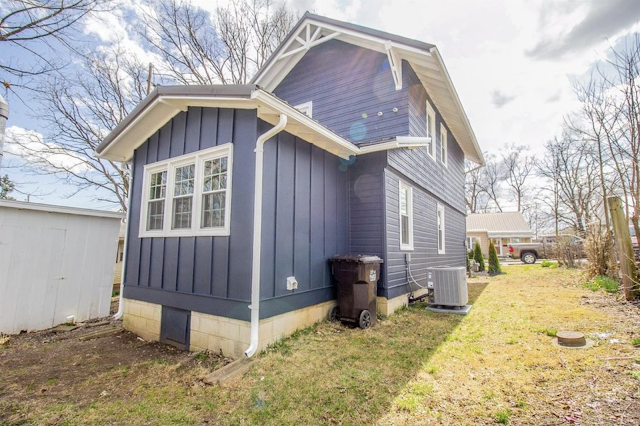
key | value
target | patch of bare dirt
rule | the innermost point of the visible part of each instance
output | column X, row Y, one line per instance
column 45, row 368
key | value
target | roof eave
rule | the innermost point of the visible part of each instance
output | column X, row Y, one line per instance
column 158, row 109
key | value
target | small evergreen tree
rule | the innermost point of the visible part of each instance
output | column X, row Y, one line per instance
column 494, row 262
column 6, row 187
column 478, row 257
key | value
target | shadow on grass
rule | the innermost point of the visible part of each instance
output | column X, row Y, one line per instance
column 331, row 373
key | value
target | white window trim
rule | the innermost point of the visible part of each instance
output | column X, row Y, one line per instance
column 306, row 108
column 444, row 143
column 198, row 158
column 406, row 247
column 440, row 212
column 472, row 242
column 431, row 132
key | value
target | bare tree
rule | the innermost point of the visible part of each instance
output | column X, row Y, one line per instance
column 518, row 167
column 476, row 198
column 571, row 167
column 80, row 108
column 78, row 113
column 491, row 180
column 625, row 149
column 24, row 22
column 228, row 47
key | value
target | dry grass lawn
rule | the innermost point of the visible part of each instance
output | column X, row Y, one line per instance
column 496, row 365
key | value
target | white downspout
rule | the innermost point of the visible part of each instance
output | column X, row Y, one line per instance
column 118, row 314
column 257, row 235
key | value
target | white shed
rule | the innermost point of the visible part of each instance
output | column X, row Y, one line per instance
column 55, row 262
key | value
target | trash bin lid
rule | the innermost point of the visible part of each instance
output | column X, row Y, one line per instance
column 360, row 258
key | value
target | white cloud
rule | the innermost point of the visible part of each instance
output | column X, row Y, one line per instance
column 485, row 46
column 30, row 147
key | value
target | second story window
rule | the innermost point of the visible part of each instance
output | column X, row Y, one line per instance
column 444, row 145
column 406, row 217
column 431, row 130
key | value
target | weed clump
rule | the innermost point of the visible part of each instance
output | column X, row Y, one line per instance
column 549, row 264
column 503, row 416
column 603, row 282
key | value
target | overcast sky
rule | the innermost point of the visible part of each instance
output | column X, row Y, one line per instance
column 512, row 62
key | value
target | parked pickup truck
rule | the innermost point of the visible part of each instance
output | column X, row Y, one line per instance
column 543, row 249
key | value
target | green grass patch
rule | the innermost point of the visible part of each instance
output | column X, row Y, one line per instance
column 201, row 356
column 405, row 370
column 605, row 283
column 636, row 342
column 549, row 264
column 503, row 416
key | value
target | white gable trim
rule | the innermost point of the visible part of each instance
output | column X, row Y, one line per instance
column 427, row 64
column 395, row 64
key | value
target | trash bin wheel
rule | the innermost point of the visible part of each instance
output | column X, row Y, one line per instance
column 334, row 314
column 365, row 319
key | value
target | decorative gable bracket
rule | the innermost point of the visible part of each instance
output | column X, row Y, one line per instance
column 310, row 40
column 395, row 63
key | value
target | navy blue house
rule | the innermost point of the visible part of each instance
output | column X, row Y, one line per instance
column 348, row 140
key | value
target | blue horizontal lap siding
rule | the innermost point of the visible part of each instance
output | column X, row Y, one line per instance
column 366, row 209
column 432, row 183
column 305, row 221
column 425, row 253
column 349, row 86
column 446, row 183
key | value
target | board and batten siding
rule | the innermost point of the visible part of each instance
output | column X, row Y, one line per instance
column 54, row 265
column 303, row 201
column 349, row 86
column 425, row 253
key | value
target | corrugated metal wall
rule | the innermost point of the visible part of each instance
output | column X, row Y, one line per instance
column 54, row 265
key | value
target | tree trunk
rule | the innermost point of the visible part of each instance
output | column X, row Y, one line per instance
column 624, row 247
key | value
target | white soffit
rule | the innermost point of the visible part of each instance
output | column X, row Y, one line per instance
column 428, row 65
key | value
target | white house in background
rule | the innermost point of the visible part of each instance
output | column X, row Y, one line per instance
column 55, row 263
column 502, row 228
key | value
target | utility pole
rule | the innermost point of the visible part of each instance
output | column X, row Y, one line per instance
column 4, row 114
column 628, row 269
column 149, row 78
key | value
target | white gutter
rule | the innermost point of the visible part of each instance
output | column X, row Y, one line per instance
column 257, row 235
column 120, row 312
column 397, row 142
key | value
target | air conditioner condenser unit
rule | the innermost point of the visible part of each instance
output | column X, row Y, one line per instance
column 450, row 293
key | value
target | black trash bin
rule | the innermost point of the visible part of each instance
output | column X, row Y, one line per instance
column 357, row 278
